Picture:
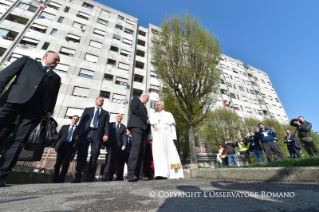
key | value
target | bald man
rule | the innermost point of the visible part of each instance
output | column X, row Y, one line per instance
column 139, row 128
column 32, row 95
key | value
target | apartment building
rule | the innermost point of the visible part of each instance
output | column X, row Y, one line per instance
column 104, row 52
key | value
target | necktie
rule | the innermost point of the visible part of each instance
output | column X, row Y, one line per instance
column 96, row 117
column 68, row 138
column 46, row 69
column 117, row 127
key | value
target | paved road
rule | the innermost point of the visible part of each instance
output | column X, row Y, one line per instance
column 169, row 195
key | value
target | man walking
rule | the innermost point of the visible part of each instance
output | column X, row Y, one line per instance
column 115, row 145
column 32, row 95
column 64, row 148
column 269, row 140
column 138, row 128
column 93, row 129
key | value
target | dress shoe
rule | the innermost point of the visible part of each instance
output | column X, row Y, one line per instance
column 2, row 183
column 75, row 180
column 142, row 177
column 132, row 179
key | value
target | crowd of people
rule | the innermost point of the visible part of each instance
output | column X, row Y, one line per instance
column 31, row 98
column 264, row 140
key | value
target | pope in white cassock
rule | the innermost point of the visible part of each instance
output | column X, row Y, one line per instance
column 166, row 159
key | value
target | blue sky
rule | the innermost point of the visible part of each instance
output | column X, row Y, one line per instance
column 280, row 37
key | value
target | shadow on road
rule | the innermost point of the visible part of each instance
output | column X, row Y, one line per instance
column 19, row 199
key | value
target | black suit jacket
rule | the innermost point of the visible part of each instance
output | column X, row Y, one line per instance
column 119, row 137
column 29, row 74
column 138, row 116
column 63, row 133
column 86, row 118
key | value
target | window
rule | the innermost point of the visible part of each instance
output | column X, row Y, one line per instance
column 154, row 31
column 257, row 92
column 105, row 13
column 232, row 95
column 61, row 68
column 78, row 25
column 27, row 7
column 140, row 42
column 140, row 53
column 54, row 5
column 74, row 111
column 124, row 66
column 81, row 92
column 83, row 15
column 66, row 9
column 111, row 62
column 252, row 92
column 39, row 28
column 116, row 37
column 226, row 75
column 45, row 45
column 105, row 94
column 53, row 32
column 261, row 102
column 67, row 51
column 103, row 22
column 61, row 19
column 221, row 81
column 244, row 99
column 73, row 38
column 71, row 0
column 248, row 110
column 241, row 88
column 29, row 42
column 130, row 22
column 121, row 81
column 229, row 84
column 153, row 104
column 235, row 71
column 277, row 100
column 88, row 6
column 260, row 112
column 95, row 44
column 153, row 90
column 108, row 77
column 99, row 32
column 120, row 18
column 118, row 99
column 253, row 83
column 91, row 58
column 140, row 32
column 139, row 65
column 236, row 107
column 118, row 27
column 270, row 97
column 48, row 16
column 125, row 53
column 127, row 41
column 223, row 91
column 128, row 31
column 153, row 75
column 114, row 48
column 86, row 73
column 263, row 81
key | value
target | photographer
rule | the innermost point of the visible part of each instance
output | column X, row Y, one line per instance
column 304, row 133
column 255, row 146
column 230, row 147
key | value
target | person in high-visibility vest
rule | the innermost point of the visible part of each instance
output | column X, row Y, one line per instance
column 223, row 155
column 244, row 156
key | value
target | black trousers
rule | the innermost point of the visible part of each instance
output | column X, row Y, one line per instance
column 293, row 151
column 88, row 138
column 137, row 152
column 63, row 158
column 31, row 114
column 122, row 158
column 110, row 160
column 5, row 134
column 310, row 147
column 272, row 147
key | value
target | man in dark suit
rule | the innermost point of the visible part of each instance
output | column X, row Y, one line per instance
column 115, row 144
column 138, row 126
column 64, row 148
column 32, row 95
column 124, row 154
column 93, row 129
column 290, row 140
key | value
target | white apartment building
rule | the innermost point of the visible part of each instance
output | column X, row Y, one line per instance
column 104, row 52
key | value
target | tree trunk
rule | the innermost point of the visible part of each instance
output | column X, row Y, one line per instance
column 192, row 148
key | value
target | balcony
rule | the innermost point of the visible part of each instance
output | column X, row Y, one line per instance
column 2, row 51
column 17, row 19
column 39, row 28
column 29, row 42
column 8, row 34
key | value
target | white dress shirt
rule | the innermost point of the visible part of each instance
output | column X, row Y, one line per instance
column 43, row 64
column 95, row 108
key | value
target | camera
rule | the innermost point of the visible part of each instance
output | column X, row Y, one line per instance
column 295, row 121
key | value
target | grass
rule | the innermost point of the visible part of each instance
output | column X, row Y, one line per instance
column 306, row 161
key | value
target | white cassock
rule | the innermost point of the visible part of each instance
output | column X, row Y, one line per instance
column 166, row 159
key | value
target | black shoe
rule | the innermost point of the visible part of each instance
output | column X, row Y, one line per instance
column 160, row 178
column 2, row 183
column 105, row 178
column 119, row 179
column 142, row 177
column 75, row 180
column 132, row 179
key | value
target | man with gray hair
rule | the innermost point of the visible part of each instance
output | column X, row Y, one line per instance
column 32, row 95
column 167, row 163
column 139, row 128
